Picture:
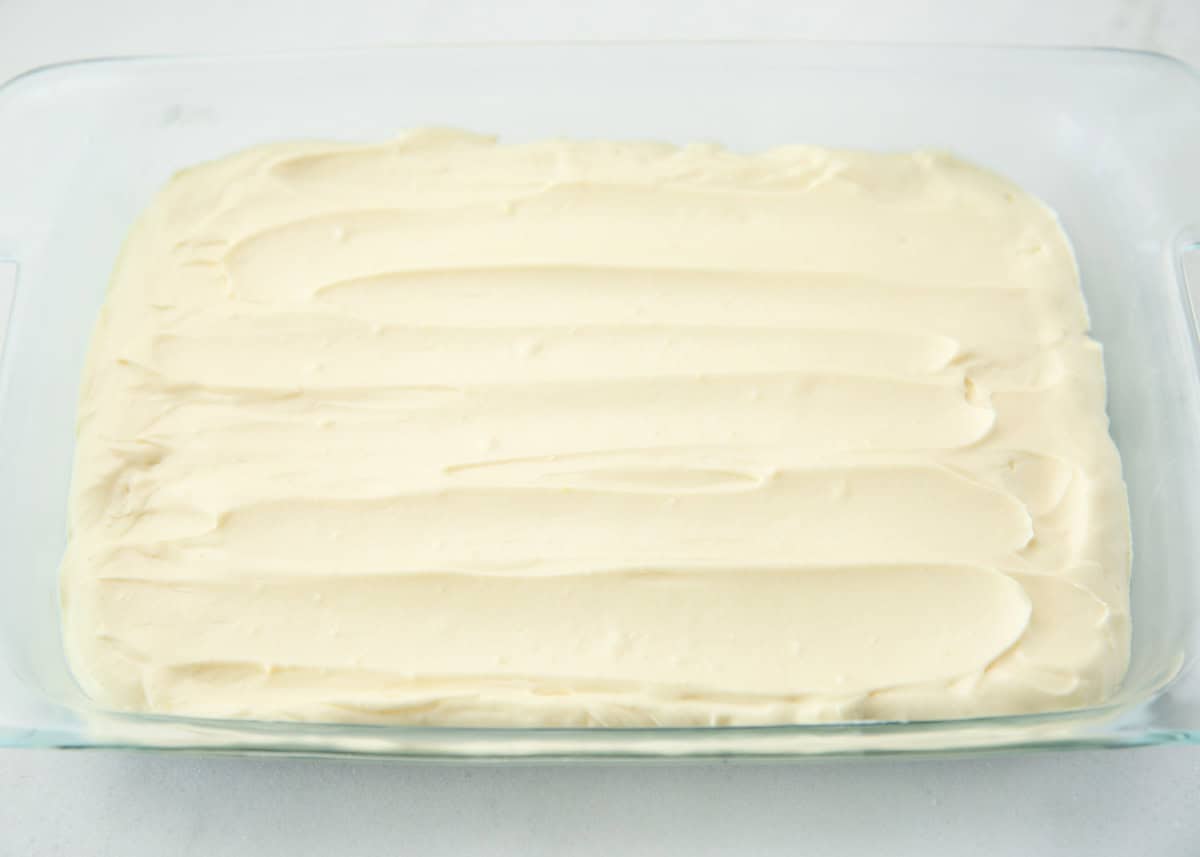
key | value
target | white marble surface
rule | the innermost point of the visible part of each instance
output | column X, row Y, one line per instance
column 1132, row 802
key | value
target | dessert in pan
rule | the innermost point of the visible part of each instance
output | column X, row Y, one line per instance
column 585, row 433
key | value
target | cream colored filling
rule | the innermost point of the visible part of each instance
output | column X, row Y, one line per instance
column 445, row 431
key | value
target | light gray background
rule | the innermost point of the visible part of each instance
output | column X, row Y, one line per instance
column 1132, row 802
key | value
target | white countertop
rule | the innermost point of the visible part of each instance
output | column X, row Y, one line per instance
column 1130, row 802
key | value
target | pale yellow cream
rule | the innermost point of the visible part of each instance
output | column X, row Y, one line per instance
column 445, row 431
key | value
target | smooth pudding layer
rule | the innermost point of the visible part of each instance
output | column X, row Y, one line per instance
column 590, row 433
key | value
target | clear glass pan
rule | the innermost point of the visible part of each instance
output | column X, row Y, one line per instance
column 1108, row 138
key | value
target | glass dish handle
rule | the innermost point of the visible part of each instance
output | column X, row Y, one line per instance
column 1187, row 266
column 1174, row 715
column 25, row 719
column 8, row 294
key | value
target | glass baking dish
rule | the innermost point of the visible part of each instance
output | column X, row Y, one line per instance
column 1107, row 138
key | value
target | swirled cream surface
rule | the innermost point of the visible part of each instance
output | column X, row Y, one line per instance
column 594, row 433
